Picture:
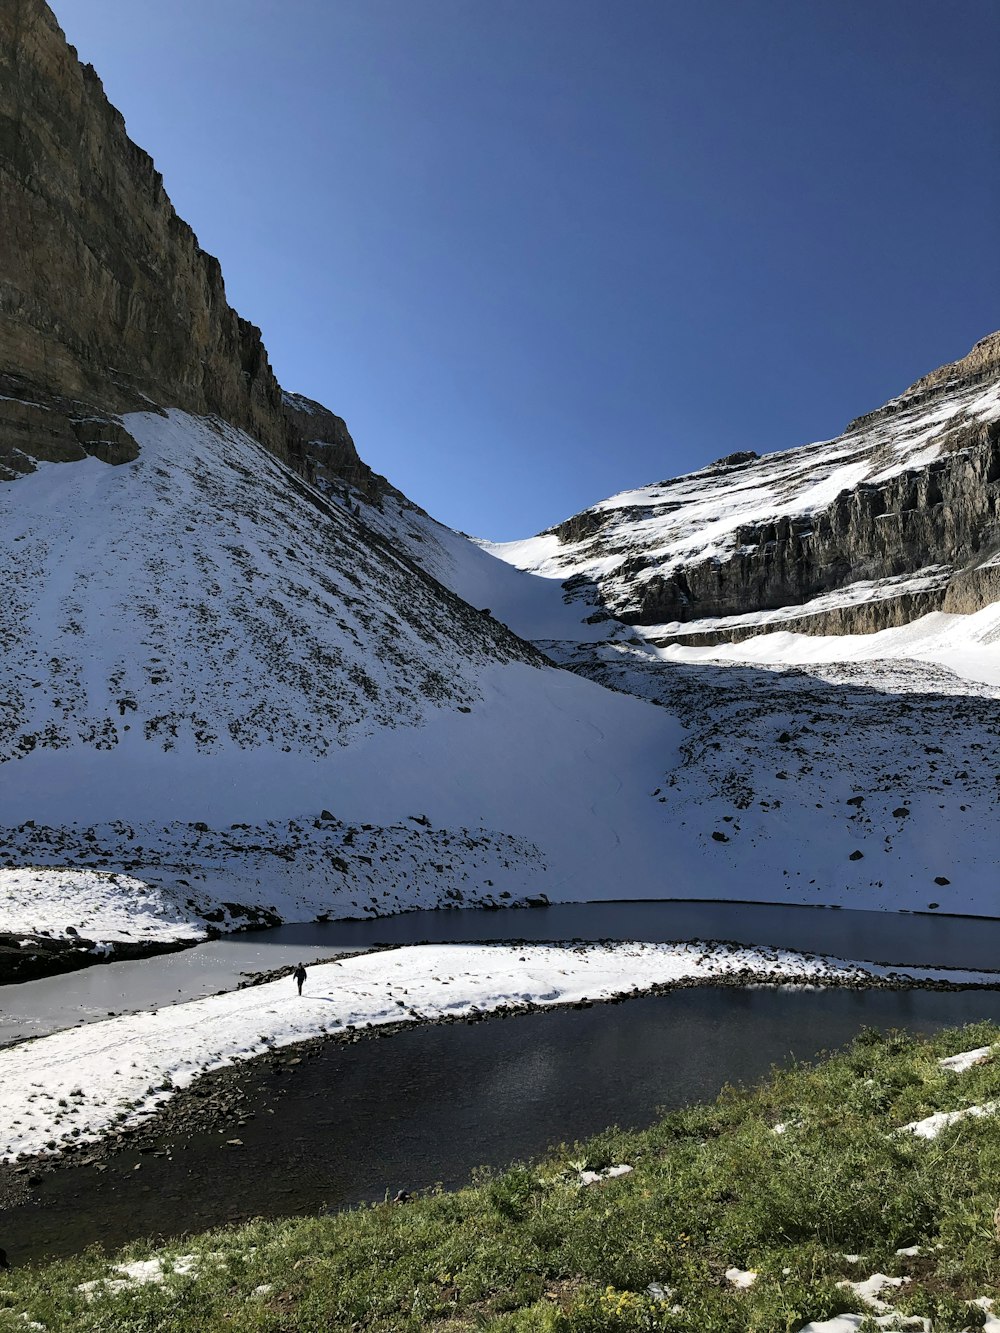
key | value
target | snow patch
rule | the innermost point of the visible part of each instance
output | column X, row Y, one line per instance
column 932, row 1125
column 958, row 1064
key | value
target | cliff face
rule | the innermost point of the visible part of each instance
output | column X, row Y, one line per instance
column 107, row 302
column 945, row 512
column 328, row 455
column 837, row 530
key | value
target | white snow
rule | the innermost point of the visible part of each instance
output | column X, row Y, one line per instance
column 741, row 1278
column 97, row 905
column 851, row 1323
column 992, row 1324
column 140, row 1273
column 121, row 1068
column 537, row 608
column 608, row 1173
column 932, row 1125
column 878, row 1311
column 958, row 1064
column 871, row 1289
column 968, row 645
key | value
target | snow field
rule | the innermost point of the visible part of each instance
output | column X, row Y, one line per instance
column 99, row 905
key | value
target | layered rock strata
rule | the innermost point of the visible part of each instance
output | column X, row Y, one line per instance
column 922, row 488
column 946, row 511
column 108, row 304
column 330, row 459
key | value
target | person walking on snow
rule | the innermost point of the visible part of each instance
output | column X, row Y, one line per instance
column 300, row 975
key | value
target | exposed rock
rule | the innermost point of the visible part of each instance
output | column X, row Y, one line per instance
column 126, row 310
column 917, row 517
column 978, row 366
column 946, row 512
column 859, row 618
column 737, row 459
column 330, row 459
column 25, row 957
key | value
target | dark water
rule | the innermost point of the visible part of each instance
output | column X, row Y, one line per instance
column 429, row 1105
column 34, row 1008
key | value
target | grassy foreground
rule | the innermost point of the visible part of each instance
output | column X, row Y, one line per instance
column 713, row 1188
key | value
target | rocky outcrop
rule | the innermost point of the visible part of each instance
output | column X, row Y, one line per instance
column 913, row 485
column 946, row 512
column 979, row 366
column 857, row 618
column 107, row 302
column 329, row 457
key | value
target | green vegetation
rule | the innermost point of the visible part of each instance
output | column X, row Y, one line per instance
column 713, row 1188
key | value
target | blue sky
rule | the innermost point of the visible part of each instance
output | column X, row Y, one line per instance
column 539, row 251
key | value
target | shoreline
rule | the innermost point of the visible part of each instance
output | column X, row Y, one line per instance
column 28, row 956
column 210, row 1100
column 56, row 955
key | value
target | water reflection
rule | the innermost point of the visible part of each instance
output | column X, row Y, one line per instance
column 431, row 1104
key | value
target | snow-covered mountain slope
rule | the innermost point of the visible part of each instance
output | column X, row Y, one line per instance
column 252, row 700
column 538, row 609
column 243, row 695
column 865, row 783
column 909, row 488
column 799, row 751
column 200, row 598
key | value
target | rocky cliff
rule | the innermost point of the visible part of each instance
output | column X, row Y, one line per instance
column 838, row 529
column 329, row 458
column 107, row 302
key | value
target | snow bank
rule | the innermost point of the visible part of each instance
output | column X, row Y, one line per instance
column 968, row 645
column 958, row 1064
column 99, row 905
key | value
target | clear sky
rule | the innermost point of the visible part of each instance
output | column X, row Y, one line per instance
column 539, row 251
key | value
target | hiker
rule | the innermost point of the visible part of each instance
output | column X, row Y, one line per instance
column 300, row 975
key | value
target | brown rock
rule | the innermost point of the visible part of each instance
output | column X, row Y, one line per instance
column 105, row 295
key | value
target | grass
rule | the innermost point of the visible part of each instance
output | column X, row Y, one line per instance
column 713, row 1187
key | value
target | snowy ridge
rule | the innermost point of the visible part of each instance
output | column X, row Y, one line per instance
column 649, row 534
